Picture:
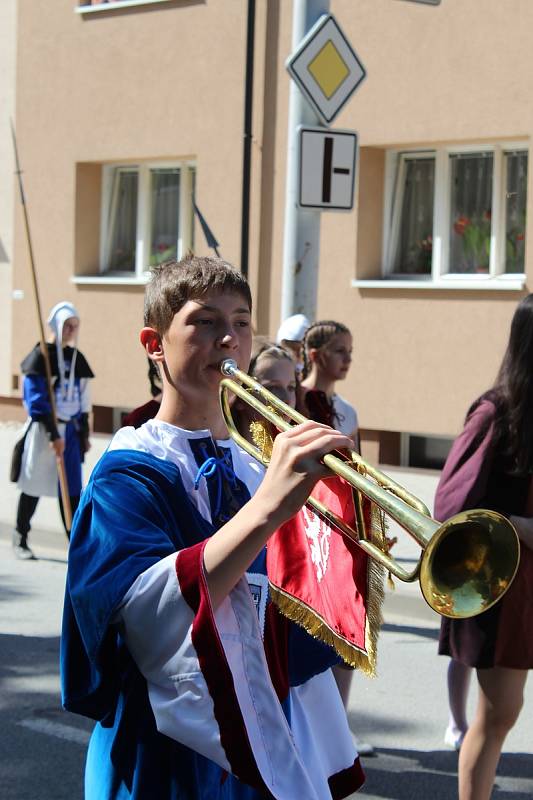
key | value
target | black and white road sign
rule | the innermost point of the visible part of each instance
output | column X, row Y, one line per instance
column 327, row 168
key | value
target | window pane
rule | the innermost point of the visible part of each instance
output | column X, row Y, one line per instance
column 165, row 208
column 515, row 210
column 415, row 241
column 123, row 222
column 471, row 206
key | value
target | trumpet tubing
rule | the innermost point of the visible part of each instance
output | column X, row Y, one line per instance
column 467, row 563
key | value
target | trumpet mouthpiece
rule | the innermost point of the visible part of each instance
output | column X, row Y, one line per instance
column 228, row 367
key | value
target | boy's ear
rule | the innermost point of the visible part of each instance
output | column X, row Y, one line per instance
column 151, row 341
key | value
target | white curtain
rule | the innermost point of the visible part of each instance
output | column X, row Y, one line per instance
column 414, row 243
column 515, row 210
column 123, row 221
column 165, row 211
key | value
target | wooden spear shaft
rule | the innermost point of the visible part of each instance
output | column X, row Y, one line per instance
column 60, row 462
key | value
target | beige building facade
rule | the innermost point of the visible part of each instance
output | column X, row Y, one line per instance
column 126, row 110
column 8, row 40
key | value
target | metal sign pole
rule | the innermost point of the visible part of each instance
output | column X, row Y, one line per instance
column 301, row 246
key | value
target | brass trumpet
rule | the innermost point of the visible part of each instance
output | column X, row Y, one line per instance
column 467, row 563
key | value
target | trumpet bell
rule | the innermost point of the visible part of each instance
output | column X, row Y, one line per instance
column 469, row 563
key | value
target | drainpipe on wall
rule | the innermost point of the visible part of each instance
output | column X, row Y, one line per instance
column 247, row 143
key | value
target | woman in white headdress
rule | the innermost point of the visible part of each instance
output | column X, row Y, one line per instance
column 45, row 440
column 291, row 334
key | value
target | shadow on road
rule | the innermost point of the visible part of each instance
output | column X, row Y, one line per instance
column 34, row 760
column 10, row 590
column 13, row 589
column 26, row 655
column 407, row 774
column 52, row 559
column 428, row 633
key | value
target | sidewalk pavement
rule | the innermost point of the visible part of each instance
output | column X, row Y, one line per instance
column 48, row 537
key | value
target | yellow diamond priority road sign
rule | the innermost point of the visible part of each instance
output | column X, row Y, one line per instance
column 326, row 68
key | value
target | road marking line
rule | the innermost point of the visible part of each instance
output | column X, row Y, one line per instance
column 67, row 732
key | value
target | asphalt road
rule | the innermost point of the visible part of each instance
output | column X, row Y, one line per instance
column 42, row 749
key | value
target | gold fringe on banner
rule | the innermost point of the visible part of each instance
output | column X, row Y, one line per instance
column 262, row 438
column 302, row 614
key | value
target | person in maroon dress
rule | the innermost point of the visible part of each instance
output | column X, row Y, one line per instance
column 490, row 466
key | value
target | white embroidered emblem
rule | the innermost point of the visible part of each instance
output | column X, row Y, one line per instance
column 318, row 534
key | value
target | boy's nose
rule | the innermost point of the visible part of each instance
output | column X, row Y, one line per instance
column 228, row 339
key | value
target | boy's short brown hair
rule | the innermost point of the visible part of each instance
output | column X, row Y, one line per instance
column 173, row 283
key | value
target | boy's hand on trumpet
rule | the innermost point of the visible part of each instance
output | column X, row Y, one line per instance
column 295, row 467
column 293, row 471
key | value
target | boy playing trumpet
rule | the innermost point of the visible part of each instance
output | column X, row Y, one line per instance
column 199, row 687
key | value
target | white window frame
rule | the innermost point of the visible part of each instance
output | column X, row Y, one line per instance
column 113, row 5
column 143, row 169
column 440, row 277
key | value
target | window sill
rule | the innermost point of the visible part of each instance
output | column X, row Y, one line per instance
column 111, row 280
column 503, row 284
column 113, row 6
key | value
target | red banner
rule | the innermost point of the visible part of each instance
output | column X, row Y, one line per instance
column 324, row 581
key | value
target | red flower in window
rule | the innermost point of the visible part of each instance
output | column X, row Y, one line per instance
column 475, row 233
column 460, row 225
